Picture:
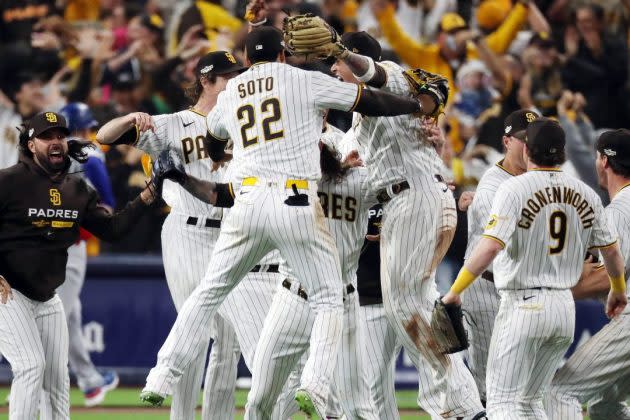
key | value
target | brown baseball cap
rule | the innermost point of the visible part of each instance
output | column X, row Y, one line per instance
column 546, row 134
column 615, row 144
column 45, row 121
column 516, row 123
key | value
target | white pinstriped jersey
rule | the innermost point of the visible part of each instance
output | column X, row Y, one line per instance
column 346, row 206
column 274, row 114
column 481, row 206
column 183, row 132
column 547, row 220
column 9, row 120
column 618, row 213
column 394, row 148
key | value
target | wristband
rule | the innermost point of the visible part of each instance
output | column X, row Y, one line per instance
column 618, row 284
column 463, row 280
column 371, row 71
column 262, row 22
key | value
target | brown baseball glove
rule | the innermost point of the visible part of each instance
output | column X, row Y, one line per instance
column 447, row 324
column 424, row 83
column 311, row 37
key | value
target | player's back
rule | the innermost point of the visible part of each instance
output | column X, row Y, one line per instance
column 346, row 204
column 395, row 148
column 547, row 221
column 274, row 113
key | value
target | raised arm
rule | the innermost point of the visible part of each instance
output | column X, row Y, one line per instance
column 125, row 129
column 365, row 69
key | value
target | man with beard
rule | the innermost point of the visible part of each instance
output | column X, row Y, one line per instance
column 42, row 206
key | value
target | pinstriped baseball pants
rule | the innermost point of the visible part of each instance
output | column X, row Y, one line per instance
column 34, row 339
column 598, row 373
column 481, row 303
column 529, row 339
column 416, row 230
column 259, row 222
column 186, row 251
column 352, row 395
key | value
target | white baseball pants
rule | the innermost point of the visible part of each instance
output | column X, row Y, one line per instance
column 69, row 292
column 529, row 340
column 350, row 382
column 34, row 339
column 186, row 251
column 418, row 226
column 259, row 222
column 481, row 304
column 598, row 373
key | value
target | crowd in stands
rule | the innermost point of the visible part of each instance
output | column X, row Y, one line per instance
column 566, row 59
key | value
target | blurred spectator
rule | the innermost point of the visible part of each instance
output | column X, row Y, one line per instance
column 596, row 65
column 420, row 19
column 19, row 16
column 25, row 99
column 580, row 139
column 541, row 86
column 211, row 16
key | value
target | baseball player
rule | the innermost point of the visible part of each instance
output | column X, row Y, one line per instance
column 93, row 384
column 191, row 229
column 345, row 199
column 273, row 112
column 42, row 208
column 598, row 373
column 544, row 221
column 481, row 302
column 418, row 223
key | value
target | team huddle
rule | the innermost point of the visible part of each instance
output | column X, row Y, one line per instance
column 270, row 207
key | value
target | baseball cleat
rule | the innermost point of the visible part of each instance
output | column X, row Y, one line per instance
column 96, row 396
column 306, row 405
column 151, row 398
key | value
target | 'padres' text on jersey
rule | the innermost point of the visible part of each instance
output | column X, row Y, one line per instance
column 546, row 220
column 346, row 205
column 394, row 148
column 183, row 132
column 273, row 113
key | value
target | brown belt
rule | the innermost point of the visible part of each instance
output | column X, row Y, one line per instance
column 487, row 275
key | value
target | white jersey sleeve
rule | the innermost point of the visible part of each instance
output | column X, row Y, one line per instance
column 503, row 215
column 329, row 92
column 215, row 120
column 156, row 140
column 396, row 81
column 618, row 215
column 602, row 234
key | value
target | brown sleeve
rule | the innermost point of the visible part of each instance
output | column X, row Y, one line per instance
column 107, row 226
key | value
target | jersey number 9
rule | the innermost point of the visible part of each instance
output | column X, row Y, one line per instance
column 557, row 231
column 270, row 110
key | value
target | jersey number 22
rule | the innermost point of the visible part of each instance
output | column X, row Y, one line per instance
column 270, row 110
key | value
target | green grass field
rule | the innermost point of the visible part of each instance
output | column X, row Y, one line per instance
column 123, row 404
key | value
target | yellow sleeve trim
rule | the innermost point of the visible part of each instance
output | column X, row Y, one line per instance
column 602, row 246
column 494, row 239
column 217, row 138
column 135, row 142
column 231, row 189
column 618, row 284
column 356, row 101
column 463, row 280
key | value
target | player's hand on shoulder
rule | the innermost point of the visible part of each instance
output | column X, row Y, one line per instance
column 142, row 120
column 5, row 290
column 616, row 303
